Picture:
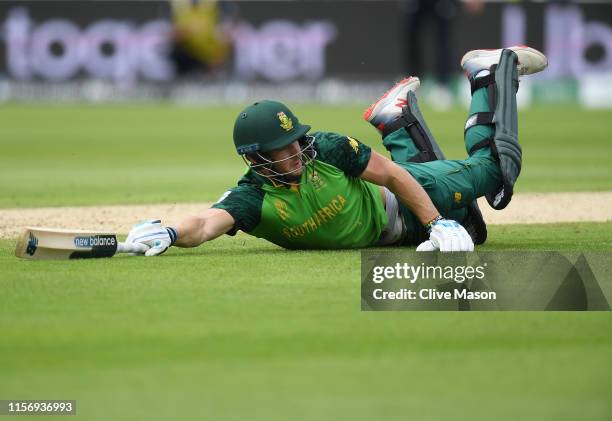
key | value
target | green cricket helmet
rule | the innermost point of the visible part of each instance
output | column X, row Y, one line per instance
column 268, row 125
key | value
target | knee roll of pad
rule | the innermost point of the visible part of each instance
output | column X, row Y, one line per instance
column 502, row 85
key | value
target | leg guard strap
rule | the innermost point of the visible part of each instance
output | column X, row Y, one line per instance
column 413, row 122
column 481, row 82
column 488, row 142
column 407, row 119
column 479, row 118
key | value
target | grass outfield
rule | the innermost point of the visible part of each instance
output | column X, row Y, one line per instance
column 90, row 155
column 240, row 329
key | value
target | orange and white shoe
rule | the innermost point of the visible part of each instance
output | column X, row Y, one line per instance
column 389, row 106
column 530, row 60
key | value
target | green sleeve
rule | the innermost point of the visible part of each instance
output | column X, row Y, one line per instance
column 343, row 152
column 244, row 203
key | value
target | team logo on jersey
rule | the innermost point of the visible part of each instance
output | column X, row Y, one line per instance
column 316, row 181
column 457, row 197
column 281, row 209
column 354, row 144
column 286, row 122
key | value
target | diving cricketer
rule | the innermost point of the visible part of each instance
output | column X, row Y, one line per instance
column 324, row 190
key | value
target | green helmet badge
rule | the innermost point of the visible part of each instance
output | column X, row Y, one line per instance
column 286, row 122
column 266, row 125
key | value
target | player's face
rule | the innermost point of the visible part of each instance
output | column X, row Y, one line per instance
column 287, row 161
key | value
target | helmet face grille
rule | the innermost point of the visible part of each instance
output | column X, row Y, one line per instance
column 263, row 166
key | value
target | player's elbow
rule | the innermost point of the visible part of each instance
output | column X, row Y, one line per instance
column 395, row 176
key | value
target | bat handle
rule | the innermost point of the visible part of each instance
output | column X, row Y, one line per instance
column 135, row 248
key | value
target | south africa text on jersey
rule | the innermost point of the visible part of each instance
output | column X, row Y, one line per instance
column 318, row 218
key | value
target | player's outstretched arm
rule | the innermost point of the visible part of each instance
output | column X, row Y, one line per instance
column 444, row 235
column 189, row 232
column 195, row 230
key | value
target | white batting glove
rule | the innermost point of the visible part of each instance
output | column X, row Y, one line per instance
column 153, row 235
column 447, row 235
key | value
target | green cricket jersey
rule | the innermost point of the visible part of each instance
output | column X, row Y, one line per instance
column 332, row 209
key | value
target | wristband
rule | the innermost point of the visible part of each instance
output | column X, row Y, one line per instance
column 173, row 235
column 430, row 224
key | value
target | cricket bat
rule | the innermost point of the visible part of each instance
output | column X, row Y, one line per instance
column 48, row 243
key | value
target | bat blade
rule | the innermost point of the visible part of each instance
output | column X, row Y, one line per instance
column 48, row 243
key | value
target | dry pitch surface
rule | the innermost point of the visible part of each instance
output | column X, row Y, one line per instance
column 525, row 208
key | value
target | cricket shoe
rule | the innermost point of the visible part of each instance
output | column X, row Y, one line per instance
column 389, row 106
column 530, row 60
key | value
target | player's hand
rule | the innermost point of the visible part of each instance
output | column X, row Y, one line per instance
column 447, row 235
column 153, row 235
